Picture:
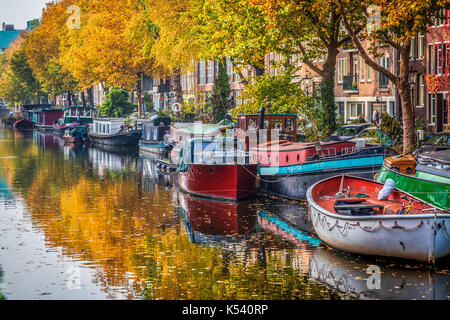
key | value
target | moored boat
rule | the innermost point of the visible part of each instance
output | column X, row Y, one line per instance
column 428, row 178
column 182, row 132
column 24, row 124
column 76, row 134
column 289, row 169
column 113, row 132
column 153, row 132
column 347, row 215
column 216, row 168
column 74, row 116
column 45, row 117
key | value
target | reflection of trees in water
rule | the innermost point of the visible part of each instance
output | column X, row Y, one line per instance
column 132, row 237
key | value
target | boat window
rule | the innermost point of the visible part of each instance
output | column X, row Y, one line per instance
column 278, row 124
column 289, row 125
column 252, row 124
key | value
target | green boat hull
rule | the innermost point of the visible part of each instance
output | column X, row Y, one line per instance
column 430, row 188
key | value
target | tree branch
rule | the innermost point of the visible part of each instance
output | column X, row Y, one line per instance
column 362, row 51
column 311, row 65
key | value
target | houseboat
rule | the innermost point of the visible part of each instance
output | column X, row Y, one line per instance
column 255, row 129
column 23, row 124
column 44, row 118
column 113, row 131
column 74, row 116
column 427, row 178
column 216, row 168
column 364, row 216
column 153, row 132
column 287, row 168
column 182, row 132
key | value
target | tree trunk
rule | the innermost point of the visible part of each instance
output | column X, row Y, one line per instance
column 90, row 96
column 83, row 99
column 405, row 99
column 139, row 96
column 176, row 85
column 69, row 98
column 327, row 90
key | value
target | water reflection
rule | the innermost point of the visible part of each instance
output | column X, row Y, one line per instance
column 217, row 223
column 354, row 277
column 135, row 236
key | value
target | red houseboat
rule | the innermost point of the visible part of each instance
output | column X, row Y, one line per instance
column 216, row 168
column 44, row 118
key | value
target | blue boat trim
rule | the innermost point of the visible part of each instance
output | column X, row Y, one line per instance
column 322, row 165
column 299, row 235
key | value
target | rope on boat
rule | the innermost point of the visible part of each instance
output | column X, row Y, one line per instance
column 343, row 229
column 445, row 229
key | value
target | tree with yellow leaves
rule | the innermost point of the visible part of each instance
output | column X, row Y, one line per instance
column 42, row 49
column 108, row 46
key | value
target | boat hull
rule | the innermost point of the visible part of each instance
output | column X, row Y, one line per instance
column 23, row 124
column 433, row 192
column 228, row 182
column 292, row 182
column 120, row 139
column 422, row 237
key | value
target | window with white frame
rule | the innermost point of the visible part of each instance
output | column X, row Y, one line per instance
column 369, row 74
column 412, row 48
column 422, row 91
column 201, row 73
column 362, row 69
column 421, row 46
column 432, row 109
column 342, row 69
column 356, row 109
column 210, row 72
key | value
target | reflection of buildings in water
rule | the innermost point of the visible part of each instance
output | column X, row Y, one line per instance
column 217, row 223
column 151, row 177
column 355, row 278
column 102, row 161
column 48, row 140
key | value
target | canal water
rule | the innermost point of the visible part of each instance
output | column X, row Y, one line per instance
column 80, row 222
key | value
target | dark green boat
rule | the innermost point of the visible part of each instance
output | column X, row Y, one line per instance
column 428, row 179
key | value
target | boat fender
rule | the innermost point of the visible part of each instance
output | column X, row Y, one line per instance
column 384, row 193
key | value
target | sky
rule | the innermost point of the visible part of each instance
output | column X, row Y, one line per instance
column 18, row 12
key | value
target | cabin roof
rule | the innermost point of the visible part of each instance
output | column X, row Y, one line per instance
column 79, row 107
column 266, row 114
column 204, row 129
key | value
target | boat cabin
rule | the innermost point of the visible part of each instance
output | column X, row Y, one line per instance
column 213, row 150
column 46, row 116
column 154, row 129
column 108, row 126
column 79, row 114
column 286, row 124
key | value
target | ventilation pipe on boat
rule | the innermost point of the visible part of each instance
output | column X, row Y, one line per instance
column 261, row 118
